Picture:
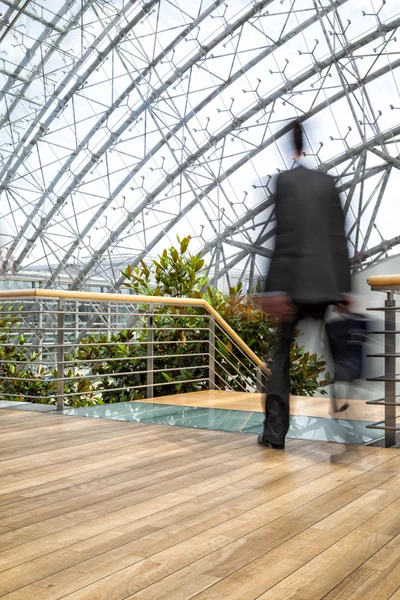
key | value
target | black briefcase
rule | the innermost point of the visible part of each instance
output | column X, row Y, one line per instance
column 346, row 338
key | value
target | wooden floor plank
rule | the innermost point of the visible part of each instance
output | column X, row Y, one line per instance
column 48, row 456
column 141, row 504
column 155, row 472
column 21, row 477
column 128, row 468
column 229, row 559
column 378, row 577
column 99, row 510
column 185, row 510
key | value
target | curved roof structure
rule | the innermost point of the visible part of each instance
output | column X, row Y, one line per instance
column 125, row 123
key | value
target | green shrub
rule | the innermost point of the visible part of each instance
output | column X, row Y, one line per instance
column 24, row 374
column 102, row 364
column 21, row 373
column 177, row 273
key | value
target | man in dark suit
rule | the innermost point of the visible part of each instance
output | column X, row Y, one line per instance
column 309, row 271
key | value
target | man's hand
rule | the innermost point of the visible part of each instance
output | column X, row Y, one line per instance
column 279, row 305
column 345, row 305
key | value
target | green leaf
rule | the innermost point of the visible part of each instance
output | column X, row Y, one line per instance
column 185, row 244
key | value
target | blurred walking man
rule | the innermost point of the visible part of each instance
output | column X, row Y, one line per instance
column 309, row 271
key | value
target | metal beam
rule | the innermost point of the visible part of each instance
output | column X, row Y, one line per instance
column 359, row 170
column 384, row 246
column 33, row 16
column 251, row 249
column 29, row 139
column 14, row 20
column 376, row 209
column 37, row 46
column 181, row 124
column 237, row 122
column 232, row 229
column 94, row 159
column 393, row 161
column 239, row 257
column 268, row 202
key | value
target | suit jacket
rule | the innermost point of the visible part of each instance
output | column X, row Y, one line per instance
column 310, row 261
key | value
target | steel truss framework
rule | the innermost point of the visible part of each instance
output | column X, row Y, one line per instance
column 124, row 124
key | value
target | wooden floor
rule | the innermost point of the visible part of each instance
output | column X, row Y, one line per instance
column 107, row 510
column 299, row 405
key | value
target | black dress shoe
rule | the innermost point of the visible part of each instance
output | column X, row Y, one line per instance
column 336, row 409
column 267, row 444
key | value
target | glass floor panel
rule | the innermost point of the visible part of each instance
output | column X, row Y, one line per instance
column 301, row 427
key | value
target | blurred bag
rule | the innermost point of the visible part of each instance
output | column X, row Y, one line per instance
column 346, row 338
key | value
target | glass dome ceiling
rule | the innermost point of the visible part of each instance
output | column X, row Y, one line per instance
column 124, row 124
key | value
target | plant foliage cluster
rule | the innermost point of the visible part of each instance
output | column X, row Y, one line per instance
column 107, row 368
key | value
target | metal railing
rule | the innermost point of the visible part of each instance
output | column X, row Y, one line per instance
column 79, row 348
column 390, row 285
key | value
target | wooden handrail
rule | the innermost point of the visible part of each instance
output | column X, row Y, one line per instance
column 129, row 298
column 385, row 282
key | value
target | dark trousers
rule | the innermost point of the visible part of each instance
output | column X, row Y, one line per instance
column 277, row 408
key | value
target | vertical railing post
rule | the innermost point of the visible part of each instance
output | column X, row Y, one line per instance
column 60, row 354
column 150, row 353
column 390, row 371
column 40, row 329
column 76, row 319
column 108, row 319
column 211, row 358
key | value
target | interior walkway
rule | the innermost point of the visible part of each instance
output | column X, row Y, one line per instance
column 107, row 510
column 299, row 405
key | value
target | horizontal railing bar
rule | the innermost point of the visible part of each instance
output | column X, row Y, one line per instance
column 383, row 355
column 232, row 341
column 230, row 374
column 222, row 379
column 218, row 388
column 82, row 361
column 134, row 387
column 233, row 366
column 384, row 308
column 227, row 385
column 383, row 378
column 238, row 359
column 26, row 379
column 383, row 332
column 136, row 343
column 30, row 397
column 377, row 425
column 384, row 281
column 145, row 328
column 73, row 312
column 161, row 342
column 382, row 403
column 93, row 297
column 237, row 372
column 24, row 362
column 80, row 315
column 102, row 360
column 99, row 375
column 73, row 329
